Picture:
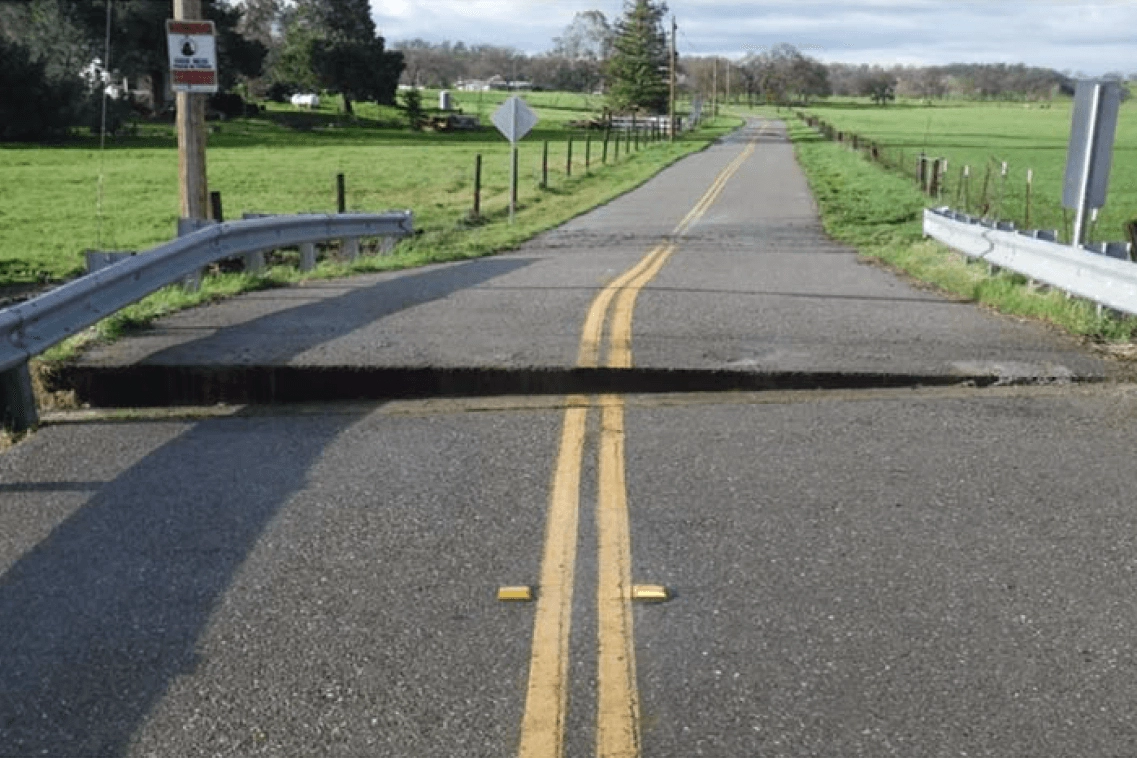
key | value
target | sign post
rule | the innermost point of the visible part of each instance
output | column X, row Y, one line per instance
column 193, row 74
column 1090, row 156
column 514, row 119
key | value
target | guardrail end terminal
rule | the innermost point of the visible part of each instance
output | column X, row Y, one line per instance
column 18, row 411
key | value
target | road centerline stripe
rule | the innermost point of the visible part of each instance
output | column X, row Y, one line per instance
column 546, row 701
column 618, row 707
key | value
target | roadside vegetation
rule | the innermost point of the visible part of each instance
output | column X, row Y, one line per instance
column 261, row 165
column 879, row 212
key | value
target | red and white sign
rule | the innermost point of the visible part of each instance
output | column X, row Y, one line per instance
column 193, row 55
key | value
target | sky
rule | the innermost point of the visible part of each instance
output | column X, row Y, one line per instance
column 1090, row 37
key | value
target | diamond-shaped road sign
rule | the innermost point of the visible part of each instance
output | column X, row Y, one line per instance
column 514, row 119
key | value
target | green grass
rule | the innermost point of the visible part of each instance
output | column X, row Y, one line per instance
column 286, row 162
column 257, row 168
column 981, row 135
column 879, row 212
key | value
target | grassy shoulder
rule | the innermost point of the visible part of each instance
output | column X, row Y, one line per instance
column 880, row 214
column 444, row 238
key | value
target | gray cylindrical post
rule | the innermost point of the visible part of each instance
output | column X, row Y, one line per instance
column 341, row 195
column 17, row 399
column 307, row 256
column 477, row 185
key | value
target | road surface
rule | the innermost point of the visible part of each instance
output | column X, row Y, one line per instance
column 917, row 540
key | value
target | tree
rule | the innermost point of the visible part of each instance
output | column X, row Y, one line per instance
column 636, row 68
column 881, row 87
column 333, row 44
column 34, row 106
column 588, row 37
column 412, row 106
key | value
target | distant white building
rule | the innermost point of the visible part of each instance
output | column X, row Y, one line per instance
column 495, row 82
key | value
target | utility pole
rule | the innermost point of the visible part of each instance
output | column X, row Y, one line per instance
column 194, row 190
column 671, row 100
column 715, row 88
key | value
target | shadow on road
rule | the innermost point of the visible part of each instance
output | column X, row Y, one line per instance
column 102, row 616
column 279, row 336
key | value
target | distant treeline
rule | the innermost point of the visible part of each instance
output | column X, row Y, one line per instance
column 781, row 74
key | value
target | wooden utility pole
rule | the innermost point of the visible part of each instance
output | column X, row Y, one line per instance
column 715, row 88
column 193, row 187
column 671, row 100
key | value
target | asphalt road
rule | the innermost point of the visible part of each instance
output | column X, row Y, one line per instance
column 917, row 571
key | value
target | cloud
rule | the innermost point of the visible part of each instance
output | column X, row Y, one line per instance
column 1093, row 36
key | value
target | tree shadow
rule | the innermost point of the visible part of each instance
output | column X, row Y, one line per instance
column 279, row 336
column 103, row 615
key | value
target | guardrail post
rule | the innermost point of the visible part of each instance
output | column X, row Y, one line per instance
column 386, row 245
column 17, row 399
column 192, row 282
column 351, row 248
column 254, row 262
column 307, row 256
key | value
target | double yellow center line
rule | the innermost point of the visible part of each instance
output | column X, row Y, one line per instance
column 546, row 703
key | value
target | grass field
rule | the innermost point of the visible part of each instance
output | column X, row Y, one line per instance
column 983, row 136
column 879, row 212
column 287, row 161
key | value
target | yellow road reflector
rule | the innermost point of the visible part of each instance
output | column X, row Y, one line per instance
column 650, row 593
column 516, row 594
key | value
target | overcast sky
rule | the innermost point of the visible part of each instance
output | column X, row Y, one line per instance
column 1092, row 36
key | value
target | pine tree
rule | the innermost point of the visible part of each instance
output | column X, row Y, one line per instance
column 636, row 70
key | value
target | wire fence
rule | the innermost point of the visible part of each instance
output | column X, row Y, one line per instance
column 995, row 190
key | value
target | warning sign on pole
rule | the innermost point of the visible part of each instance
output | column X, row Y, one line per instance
column 193, row 55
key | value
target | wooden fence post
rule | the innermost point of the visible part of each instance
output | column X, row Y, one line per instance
column 568, row 159
column 477, row 185
column 341, row 195
column 604, row 154
column 545, row 165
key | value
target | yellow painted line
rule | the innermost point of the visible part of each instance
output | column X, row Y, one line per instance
column 620, row 344
column 618, row 704
column 592, row 335
column 546, row 702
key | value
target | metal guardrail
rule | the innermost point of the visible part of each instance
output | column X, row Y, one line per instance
column 29, row 328
column 1098, row 275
